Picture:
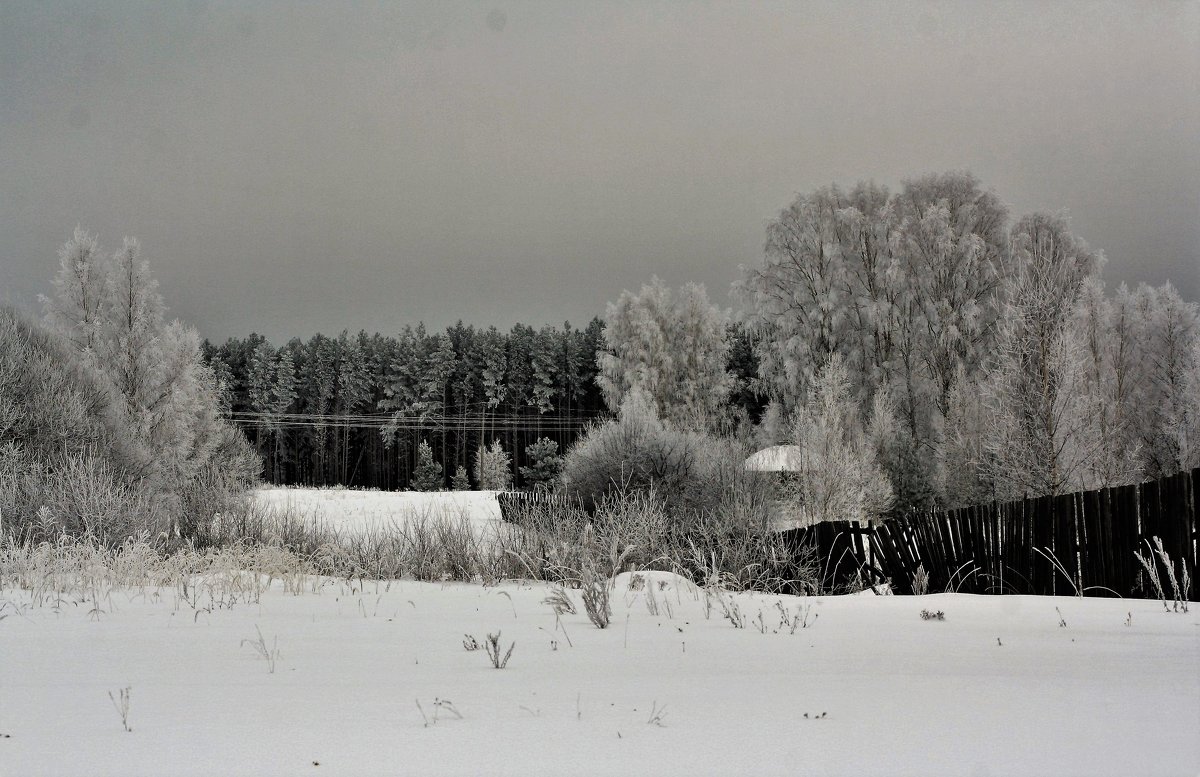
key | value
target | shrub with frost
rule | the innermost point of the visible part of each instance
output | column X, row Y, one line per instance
column 493, row 467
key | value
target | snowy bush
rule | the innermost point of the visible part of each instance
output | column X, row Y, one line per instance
column 639, row 452
column 67, row 461
column 684, row 500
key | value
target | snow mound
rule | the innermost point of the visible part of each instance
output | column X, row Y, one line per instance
column 653, row 579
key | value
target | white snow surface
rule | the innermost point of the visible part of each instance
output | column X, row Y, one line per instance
column 997, row 688
column 350, row 511
column 777, row 458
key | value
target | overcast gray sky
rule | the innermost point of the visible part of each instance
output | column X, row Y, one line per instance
column 302, row 167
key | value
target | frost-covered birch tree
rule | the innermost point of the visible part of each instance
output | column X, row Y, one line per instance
column 796, row 298
column 1168, row 328
column 674, row 348
column 952, row 241
column 1189, row 451
column 1039, row 440
column 905, row 288
column 962, row 454
column 1106, row 388
column 839, row 475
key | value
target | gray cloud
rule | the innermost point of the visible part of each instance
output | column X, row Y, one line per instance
column 295, row 168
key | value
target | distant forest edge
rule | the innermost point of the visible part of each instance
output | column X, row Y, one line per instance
column 353, row 409
column 906, row 351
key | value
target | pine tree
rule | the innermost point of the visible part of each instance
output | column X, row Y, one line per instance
column 260, row 380
column 592, row 343
column 544, row 465
column 570, row 367
column 428, row 474
column 519, row 379
column 283, row 396
column 465, row 387
column 318, row 392
column 519, row 373
column 402, row 379
column 112, row 313
column 76, row 311
column 495, row 364
column 353, row 392
column 743, row 366
column 224, row 381
column 353, row 376
column 283, row 388
column 441, row 362
column 438, row 365
column 401, row 362
column 460, row 481
column 237, row 353
column 382, row 456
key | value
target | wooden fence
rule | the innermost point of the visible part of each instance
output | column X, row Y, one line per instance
column 1047, row 546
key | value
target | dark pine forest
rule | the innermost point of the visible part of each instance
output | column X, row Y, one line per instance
column 353, row 409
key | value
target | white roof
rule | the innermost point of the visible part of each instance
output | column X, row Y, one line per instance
column 777, row 458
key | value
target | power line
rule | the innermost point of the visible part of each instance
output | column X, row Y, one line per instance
column 404, row 423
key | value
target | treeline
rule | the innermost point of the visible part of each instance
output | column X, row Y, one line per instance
column 914, row 349
column 354, row 409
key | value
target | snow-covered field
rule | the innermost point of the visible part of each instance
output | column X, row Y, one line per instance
column 868, row 687
column 378, row 680
column 349, row 511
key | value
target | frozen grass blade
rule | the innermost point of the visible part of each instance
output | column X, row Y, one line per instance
column 121, row 704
